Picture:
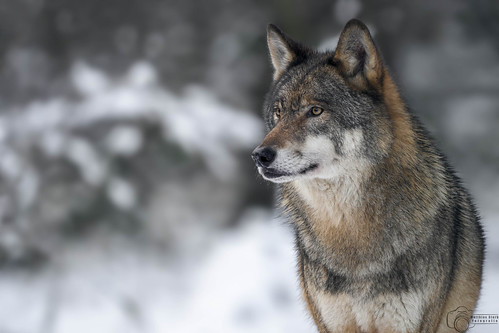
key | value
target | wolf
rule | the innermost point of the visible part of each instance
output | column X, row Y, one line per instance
column 387, row 238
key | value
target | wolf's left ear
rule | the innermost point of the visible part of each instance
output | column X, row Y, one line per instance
column 357, row 57
column 283, row 50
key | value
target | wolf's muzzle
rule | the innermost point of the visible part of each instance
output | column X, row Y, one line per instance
column 263, row 156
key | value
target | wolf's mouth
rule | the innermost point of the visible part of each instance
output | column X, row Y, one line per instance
column 309, row 168
column 271, row 173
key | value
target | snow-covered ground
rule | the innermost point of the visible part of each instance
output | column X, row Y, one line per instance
column 245, row 281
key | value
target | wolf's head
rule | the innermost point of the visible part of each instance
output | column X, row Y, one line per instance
column 325, row 112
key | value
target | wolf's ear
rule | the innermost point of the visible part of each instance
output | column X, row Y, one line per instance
column 283, row 50
column 357, row 57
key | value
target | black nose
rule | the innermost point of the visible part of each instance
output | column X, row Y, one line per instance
column 263, row 156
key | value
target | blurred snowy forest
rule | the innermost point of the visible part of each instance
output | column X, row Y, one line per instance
column 128, row 201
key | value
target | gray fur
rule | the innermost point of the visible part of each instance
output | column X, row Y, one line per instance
column 420, row 225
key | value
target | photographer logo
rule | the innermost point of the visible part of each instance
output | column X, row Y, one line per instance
column 462, row 319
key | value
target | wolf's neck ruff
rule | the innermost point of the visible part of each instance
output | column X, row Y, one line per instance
column 331, row 200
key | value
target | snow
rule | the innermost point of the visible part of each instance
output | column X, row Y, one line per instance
column 12, row 241
column 53, row 144
column 86, row 158
column 185, row 120
column 124, row 140
column 28, row 188
column 10, row 163
column 244, row 282
column 88, row 80
column 142, row 74
column 247, row 283
column 121, row 193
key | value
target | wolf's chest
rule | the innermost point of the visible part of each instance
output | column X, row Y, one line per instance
column 376, row 303
column 384, row 313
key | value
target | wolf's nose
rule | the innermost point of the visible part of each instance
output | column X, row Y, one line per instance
column 263, row 156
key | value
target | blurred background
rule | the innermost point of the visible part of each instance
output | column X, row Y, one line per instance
column 128, row 201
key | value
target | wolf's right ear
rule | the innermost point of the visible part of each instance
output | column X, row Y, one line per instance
column 283, row 50
column 358, row 58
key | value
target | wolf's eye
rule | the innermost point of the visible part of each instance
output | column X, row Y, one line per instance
column 277, row 113
column 316, row 111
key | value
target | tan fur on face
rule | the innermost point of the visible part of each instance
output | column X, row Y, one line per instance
column 281, row 135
